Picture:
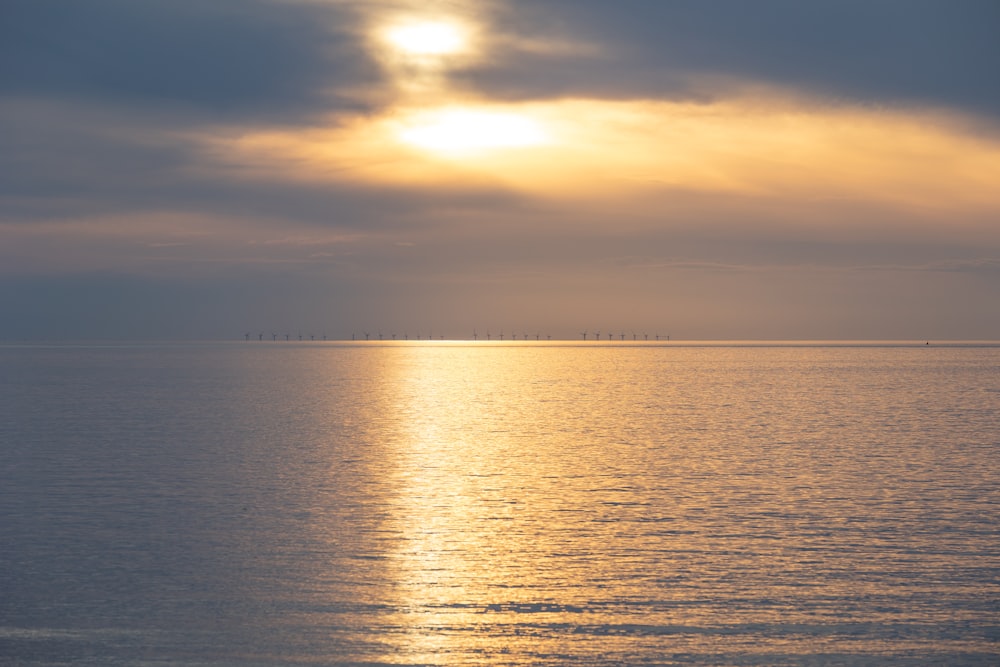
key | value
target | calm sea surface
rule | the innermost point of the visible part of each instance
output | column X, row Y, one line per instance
column 499, row 504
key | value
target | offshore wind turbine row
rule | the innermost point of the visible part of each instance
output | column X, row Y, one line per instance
column 476, row 336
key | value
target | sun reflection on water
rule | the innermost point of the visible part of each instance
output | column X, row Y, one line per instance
column 493, row 523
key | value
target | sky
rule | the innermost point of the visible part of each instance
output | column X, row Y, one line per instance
column 715, row 170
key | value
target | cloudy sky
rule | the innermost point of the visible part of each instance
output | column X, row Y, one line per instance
column 719, row 169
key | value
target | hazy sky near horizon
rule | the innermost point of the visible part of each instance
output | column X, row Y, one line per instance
column 715, row 169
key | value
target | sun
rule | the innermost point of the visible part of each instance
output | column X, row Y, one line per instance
column 428, row 38
column 430, row 117
column 458, row 131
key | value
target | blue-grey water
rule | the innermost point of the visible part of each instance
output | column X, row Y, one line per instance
column 440, row 503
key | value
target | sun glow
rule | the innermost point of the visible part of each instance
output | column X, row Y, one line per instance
column 467, row 130
column 603, row 150
column 428, row 38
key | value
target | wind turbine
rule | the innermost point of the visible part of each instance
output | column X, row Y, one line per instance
column 584, row 334
column 247, row 335
column 475, row 335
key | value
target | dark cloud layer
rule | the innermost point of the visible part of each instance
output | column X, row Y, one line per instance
column 258, row 58
column 867, row 51
column 229, row 58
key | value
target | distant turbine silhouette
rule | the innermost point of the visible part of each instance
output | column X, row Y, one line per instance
column 584, row 334
column 475, row 335
column 489, row 336
column 367, row 335
column 597, row 335
column 247, row 335
column 260, row 336
column 274, row 337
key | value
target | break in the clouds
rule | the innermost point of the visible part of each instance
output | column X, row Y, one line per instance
column 772, row 169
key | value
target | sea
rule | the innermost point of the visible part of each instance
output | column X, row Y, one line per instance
column 260, row 503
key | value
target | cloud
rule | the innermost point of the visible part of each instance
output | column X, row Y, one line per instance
column 886, row 52
column 232, row 59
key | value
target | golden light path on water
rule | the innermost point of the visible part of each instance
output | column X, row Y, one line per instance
column 502, row 522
